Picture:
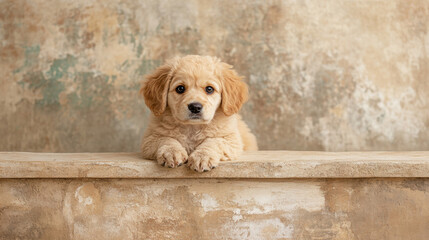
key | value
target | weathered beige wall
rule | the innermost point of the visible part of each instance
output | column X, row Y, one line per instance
column 346, row 209
column 338, row 196
column 323, row 75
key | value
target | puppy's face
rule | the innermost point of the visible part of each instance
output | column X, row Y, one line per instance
column 194, row 95
column 193, row 88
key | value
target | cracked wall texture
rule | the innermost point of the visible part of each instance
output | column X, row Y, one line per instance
column 323, row 75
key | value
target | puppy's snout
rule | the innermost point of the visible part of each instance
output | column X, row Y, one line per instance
column 195, row 107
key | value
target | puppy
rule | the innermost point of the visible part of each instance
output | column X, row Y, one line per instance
column 194, row 101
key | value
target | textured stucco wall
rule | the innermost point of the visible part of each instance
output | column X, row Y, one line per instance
column 339, row 209
column 323, row 75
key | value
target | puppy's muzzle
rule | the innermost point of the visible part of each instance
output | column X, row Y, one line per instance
column 195, row 107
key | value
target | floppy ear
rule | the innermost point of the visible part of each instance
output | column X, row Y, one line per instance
column 155, row 88
column 234, row 92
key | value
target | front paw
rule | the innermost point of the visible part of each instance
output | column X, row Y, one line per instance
column 203, row 161
column 171, row 156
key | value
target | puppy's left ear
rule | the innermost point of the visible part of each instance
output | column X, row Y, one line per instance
column 234, row 92
column 155, row 87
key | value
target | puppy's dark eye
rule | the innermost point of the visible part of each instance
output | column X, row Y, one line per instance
column 209, row 90
column 180, row 89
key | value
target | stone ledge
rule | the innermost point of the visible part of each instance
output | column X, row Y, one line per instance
column 262, row 164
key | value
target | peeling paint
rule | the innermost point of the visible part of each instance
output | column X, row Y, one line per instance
column 208, row 203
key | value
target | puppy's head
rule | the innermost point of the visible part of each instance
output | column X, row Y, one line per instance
column 194, row 88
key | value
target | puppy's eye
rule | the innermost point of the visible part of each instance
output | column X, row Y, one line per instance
column 209, row 90
column 180, row 89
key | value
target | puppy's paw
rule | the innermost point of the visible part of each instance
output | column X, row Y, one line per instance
column 203, row 161
column 171, row 156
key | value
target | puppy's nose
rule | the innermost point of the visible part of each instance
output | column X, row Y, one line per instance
column 195, row 107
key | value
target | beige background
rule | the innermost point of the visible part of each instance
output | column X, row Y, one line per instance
column 323, row 75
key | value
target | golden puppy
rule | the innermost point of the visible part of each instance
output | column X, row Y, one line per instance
column 194, row 101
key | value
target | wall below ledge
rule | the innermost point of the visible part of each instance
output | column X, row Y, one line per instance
column 66, row 196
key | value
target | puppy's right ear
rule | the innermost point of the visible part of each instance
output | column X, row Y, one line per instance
column 155, row 88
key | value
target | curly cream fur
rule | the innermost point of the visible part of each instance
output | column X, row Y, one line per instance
column 172, row 138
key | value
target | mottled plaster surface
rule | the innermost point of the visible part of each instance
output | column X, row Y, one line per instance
column 214, row 209
column 331, row 75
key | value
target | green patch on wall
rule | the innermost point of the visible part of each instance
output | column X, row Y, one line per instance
column 49, row 83
column 31, row 56
column 53, row 86
column 147, row 65
column 92, row 91
column 139, row 50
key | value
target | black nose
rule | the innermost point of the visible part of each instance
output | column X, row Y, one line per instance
column 195, row 107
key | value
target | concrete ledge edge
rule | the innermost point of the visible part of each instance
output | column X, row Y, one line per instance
column 261, row 164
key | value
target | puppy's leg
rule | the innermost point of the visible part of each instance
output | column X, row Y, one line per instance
column 208, row 154
column 167, row 151
column 249, row 140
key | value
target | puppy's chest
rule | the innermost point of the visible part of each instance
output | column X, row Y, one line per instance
column 191, row 137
